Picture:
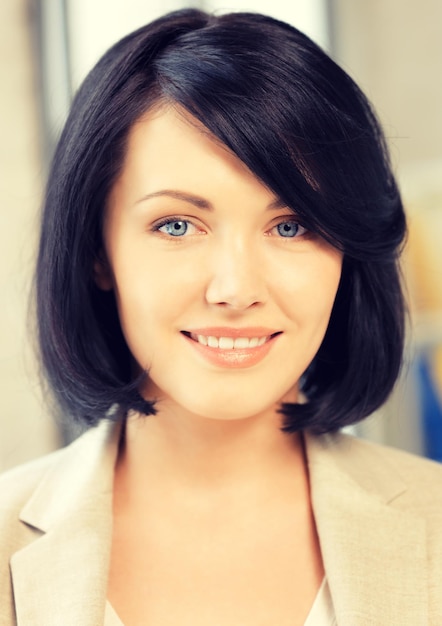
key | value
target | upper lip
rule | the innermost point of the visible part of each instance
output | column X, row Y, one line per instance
column 224, row 331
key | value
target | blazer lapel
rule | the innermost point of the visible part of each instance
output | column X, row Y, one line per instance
column 374, row 554
column 60, row 577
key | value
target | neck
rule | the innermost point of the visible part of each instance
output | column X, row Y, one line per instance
column 176, row 451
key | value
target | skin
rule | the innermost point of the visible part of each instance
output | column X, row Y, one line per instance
column 243, row 551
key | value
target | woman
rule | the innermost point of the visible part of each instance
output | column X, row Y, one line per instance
column 217, row 286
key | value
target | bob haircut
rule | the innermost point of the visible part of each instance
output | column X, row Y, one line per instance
column 303, row 127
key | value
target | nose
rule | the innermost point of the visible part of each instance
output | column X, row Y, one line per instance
column 236, row 277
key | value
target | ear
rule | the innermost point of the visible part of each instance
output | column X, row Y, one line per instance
column 102, row 273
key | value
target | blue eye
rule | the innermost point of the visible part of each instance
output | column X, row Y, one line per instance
column 289, row 229
column 176, row 228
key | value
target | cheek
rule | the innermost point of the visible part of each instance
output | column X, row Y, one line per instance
column 137, row 296
column 149, row 303
column 308, row 288
column 323, row 290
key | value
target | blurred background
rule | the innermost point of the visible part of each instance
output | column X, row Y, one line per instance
column 394, row 51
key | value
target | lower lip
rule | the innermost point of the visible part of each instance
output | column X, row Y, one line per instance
column 242, row 357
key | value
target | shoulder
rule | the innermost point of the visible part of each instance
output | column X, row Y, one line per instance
column 411, row 467
column 72, row 465
column 398, row 477
column 52, row 498
column 415, row 495
column 40, row 495
column 422, row 479
column 42, row 481
column 16, row 489
column 18, row 484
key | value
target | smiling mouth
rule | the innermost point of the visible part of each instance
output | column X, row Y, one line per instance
column 230, row 343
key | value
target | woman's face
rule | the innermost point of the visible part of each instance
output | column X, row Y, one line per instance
column 222, row 296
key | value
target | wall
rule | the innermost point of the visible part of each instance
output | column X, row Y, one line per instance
column 394, row 51
column 25, row 428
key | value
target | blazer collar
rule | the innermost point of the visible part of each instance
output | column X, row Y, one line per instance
column 61, row 577
column 374, row 553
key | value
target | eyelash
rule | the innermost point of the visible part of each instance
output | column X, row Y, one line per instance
column 179, row 219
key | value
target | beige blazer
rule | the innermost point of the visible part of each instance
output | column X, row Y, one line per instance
column 378, row 512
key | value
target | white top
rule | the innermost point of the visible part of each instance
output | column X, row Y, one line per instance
column 321, row 613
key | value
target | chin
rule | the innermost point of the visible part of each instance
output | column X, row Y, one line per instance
column 231, row 411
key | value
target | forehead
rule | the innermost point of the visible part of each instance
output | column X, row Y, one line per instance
column 168, row 130
column 167, row 147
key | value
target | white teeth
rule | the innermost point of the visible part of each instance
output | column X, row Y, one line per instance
column 243, row 342
column 212, row 342
column 202, row 339
column 226, row 343
column 230, row 343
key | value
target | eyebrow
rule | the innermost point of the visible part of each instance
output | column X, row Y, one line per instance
column 197, row 201
column 278, row 204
